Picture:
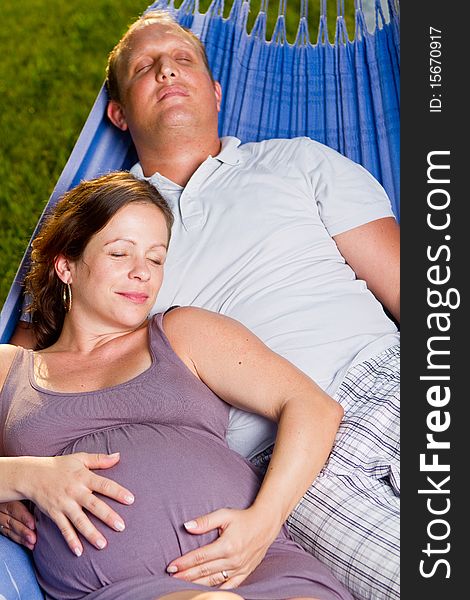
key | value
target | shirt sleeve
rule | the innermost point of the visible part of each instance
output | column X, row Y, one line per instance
column 347, row 195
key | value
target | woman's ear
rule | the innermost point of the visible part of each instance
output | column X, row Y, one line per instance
column 62, row 268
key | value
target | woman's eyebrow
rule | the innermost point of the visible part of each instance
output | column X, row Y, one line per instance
column 133, row 242
column 120, row 239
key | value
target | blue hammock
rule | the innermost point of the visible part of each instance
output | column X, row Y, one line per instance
column 345, row 95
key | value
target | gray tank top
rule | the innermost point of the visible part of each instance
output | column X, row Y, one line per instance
column 170, row 430
column 166, row 393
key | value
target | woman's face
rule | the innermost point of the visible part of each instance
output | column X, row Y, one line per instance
column 116, row 282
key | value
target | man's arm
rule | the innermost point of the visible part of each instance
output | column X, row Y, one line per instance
column 373, row 252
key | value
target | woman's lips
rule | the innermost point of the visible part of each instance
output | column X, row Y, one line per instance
column 136, row 297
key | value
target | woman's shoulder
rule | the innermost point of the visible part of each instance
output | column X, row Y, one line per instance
column 7, row 355
column 180, row 322
column 189, row 328
column 186, row 320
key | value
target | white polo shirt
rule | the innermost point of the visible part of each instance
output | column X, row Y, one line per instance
column 252, row 239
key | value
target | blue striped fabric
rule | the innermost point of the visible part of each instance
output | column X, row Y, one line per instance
column 17, row 577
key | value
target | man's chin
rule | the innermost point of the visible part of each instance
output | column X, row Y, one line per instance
column 178, row 116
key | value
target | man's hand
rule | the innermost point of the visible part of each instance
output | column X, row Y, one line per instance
column 63, row 486
column 244, row 540
column 18, row 523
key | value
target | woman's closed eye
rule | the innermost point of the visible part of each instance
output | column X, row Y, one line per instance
column 156, row 260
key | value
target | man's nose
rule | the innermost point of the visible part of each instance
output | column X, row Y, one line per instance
column 168, row 69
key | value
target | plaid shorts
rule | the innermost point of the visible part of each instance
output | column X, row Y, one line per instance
column 349, row 518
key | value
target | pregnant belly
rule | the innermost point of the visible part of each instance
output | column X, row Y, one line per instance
column 176, row 474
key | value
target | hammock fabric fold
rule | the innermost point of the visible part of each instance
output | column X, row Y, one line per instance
column 344, row 94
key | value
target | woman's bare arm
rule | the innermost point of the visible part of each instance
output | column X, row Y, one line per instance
column 244, row 372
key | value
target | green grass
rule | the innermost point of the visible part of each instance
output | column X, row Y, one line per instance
column 52, row 67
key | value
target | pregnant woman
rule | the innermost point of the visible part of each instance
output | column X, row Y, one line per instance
column 149, row 400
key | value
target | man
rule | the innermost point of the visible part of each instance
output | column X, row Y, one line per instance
column 300, row 245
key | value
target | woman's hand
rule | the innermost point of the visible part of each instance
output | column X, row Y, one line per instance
column 244, row 538
column 17, row 523
column 62, row 486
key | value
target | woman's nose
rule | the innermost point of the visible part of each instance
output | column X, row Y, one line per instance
column 140, row 271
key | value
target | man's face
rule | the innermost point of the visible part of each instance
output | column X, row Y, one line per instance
column 164, row 85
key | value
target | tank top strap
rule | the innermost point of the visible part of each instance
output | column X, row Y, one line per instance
column 159, row 344
column 19, row 368
column 18, row 373
column 160, row 347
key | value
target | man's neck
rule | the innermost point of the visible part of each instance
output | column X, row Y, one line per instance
column 177, row 159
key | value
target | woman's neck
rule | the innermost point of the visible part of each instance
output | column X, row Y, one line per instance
column 85, row 337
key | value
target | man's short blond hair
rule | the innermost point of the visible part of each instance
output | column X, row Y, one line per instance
column 117, row 56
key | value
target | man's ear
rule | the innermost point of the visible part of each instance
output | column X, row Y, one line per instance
column 116, row 115
column 62, row 268
column 218, row 94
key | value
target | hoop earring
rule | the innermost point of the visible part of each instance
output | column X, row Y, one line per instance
column 67, row 297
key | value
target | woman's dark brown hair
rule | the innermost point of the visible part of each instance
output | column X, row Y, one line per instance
column 79, row 214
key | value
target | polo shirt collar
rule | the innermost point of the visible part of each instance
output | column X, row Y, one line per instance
column 159, row 181
column 230, row 153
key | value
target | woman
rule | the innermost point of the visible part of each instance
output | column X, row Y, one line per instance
column 148, row 400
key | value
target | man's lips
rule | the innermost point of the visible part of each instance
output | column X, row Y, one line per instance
column 171, row 90
column 136, row 297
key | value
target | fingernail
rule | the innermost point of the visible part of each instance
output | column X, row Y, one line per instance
column 29, row 539
column 114, row 454
column 101, row 544
column 119, row 525
column 129, row 499
column 172, row 569
column 190, row 525
column 77, row 551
